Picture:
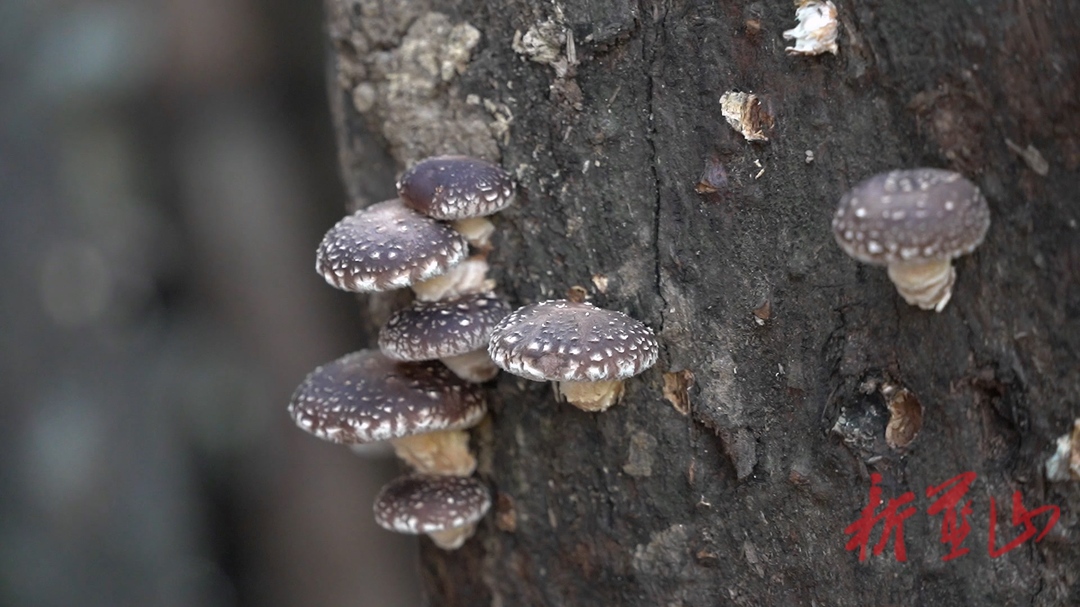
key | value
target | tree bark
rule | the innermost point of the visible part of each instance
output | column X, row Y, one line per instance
column 736, row 484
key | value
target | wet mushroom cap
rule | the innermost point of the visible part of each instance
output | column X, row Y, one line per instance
column 429, row 504
column 911, row 216
column 387, row 246
column 429, row 330
column 456, row 187
column 365, row 397
column 561, row 340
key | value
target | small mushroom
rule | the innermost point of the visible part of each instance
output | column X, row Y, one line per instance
column 915, row 222
column 445, row 508
column 587, row 350
column 460, row 189
column 455, row 331
column 387, row 246
column 421, row 408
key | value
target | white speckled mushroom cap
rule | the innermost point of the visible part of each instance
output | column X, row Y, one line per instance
column 911, row 216
column 561, row 340
column 422, row 503
column 365, row 397
column 387, row 246
column 456, row 187
column 436, row 329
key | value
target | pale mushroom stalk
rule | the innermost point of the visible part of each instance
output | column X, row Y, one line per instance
column 475, row 366
column 452, row 539
column 592, row 396
column 445, row 452
column 476, row 230
column 927, row 285
column 469, row 276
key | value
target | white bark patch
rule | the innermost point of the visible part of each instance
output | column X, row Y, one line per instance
column 816, row 32
column 666, row 555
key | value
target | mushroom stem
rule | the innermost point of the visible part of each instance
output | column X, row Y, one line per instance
column 590, row 396
column 445, row 452
column 452, row 539
column 924, row 284
column 476, row 230
column 475, row 366
column 469, row 276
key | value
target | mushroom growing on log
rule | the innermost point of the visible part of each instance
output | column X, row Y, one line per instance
column 586, row 350
column 915, row 222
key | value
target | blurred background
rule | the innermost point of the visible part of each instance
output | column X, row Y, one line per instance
column 167, row 168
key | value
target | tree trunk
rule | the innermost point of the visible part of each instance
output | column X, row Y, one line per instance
column 731, row 470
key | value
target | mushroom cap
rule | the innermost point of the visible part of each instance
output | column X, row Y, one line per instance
column 456, row 187
column 911, row 216
column 387, row 246
column 561, row 340
column 429, row 330
column 422, row 503
column 365, row 397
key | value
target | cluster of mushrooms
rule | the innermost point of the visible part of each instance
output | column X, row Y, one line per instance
column 420, row 390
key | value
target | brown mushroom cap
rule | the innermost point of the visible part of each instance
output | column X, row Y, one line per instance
column 456, row 187
column 430, row 504
column 387, row 246
column 565, row 341
column 437, row 329
column 911, row 216
column 365, row 397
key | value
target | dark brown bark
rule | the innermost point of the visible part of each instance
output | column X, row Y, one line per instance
column 742, row 497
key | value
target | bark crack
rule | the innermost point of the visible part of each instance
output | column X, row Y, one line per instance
column 649, row 58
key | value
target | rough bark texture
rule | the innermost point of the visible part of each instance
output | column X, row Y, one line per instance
column 739, row 490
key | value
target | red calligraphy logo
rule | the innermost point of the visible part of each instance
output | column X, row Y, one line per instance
column 892, row 515
column 955, row 526
column 1021, row 516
